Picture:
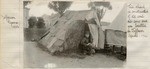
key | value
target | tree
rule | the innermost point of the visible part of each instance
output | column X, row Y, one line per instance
column 100, row 8
column 59, row 6
column 40, row 23
column 25, row 3
column 32, row 21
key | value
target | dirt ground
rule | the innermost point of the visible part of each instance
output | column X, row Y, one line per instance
column 34, row 57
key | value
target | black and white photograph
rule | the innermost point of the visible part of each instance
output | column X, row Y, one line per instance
column 74, row 34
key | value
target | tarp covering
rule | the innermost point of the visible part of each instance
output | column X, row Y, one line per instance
column 101, row 38
column 120, row 22
column 116, row 32
column 115, row 37
column 59, row 26
column 96, row 30
column 58, row 35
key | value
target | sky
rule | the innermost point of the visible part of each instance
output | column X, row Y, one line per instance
column 40, row 8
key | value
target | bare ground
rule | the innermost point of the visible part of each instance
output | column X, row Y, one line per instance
column 34, row 57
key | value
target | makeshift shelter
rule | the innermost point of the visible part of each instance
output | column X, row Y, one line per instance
column 67, row 31
column 115, row 33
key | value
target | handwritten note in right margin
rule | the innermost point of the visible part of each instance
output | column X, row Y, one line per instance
column 138, row 19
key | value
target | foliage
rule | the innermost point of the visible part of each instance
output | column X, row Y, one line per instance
column 32, row 21
column 104, row 4
column 100, row 8
column 25, row 3
column 59, row 6
column 40, row 23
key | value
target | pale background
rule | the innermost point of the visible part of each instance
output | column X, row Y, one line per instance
column 138, row 55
